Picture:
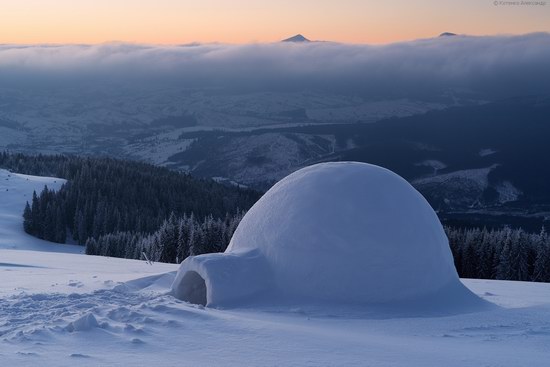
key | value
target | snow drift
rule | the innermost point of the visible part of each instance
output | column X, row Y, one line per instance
column 332, row 233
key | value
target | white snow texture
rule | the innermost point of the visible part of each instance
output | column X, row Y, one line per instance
column 334, row 233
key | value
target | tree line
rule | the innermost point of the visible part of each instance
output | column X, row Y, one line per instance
column 175, row 240
column 506, row 254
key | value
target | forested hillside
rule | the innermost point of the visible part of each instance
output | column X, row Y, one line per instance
column 104, row 196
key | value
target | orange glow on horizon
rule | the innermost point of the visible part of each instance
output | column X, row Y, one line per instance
column 244, row 21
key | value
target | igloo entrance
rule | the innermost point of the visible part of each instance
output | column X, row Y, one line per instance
column 193, row 288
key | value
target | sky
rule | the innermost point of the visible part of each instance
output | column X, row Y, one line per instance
column 249, row 21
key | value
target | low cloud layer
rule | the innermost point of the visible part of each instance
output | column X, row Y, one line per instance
column 498, row 66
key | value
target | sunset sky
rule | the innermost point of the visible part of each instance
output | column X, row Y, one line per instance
column 243, row 21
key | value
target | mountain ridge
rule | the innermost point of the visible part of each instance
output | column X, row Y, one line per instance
column 297, row 39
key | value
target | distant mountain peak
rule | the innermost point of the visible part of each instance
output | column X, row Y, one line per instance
column 447, row 34
column 296, row 38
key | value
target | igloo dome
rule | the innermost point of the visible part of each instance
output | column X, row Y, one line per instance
column 342, row 232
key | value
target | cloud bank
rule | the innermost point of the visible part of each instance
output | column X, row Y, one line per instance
column 496, row 66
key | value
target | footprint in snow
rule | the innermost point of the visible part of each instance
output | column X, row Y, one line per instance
column 79, row 355
column 27, row 354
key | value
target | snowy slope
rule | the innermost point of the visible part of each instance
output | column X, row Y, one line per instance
column 34, row 272
column 15, row 191
column 137, row 324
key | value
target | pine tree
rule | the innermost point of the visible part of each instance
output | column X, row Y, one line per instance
column 521, row 254
column 168, row 240
column 60, row 226
column 28, row 224
column 541, row 272
column 469, row 260
column 184, row 235
column 81, row 233
column 35, row 214
column 505, row 270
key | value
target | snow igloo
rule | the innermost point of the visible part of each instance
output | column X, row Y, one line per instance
column 334, row 233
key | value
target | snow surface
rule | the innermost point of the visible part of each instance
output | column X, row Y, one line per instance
column 158, row 149
column 478, row 177
column 31, row 273
column 280, row 154
column 335, row 233
column 487, row 151
column 434, row 164
column 507, row 192
column 63, row 309
column 464, row 187
column 136, row 323
column 465, row 184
